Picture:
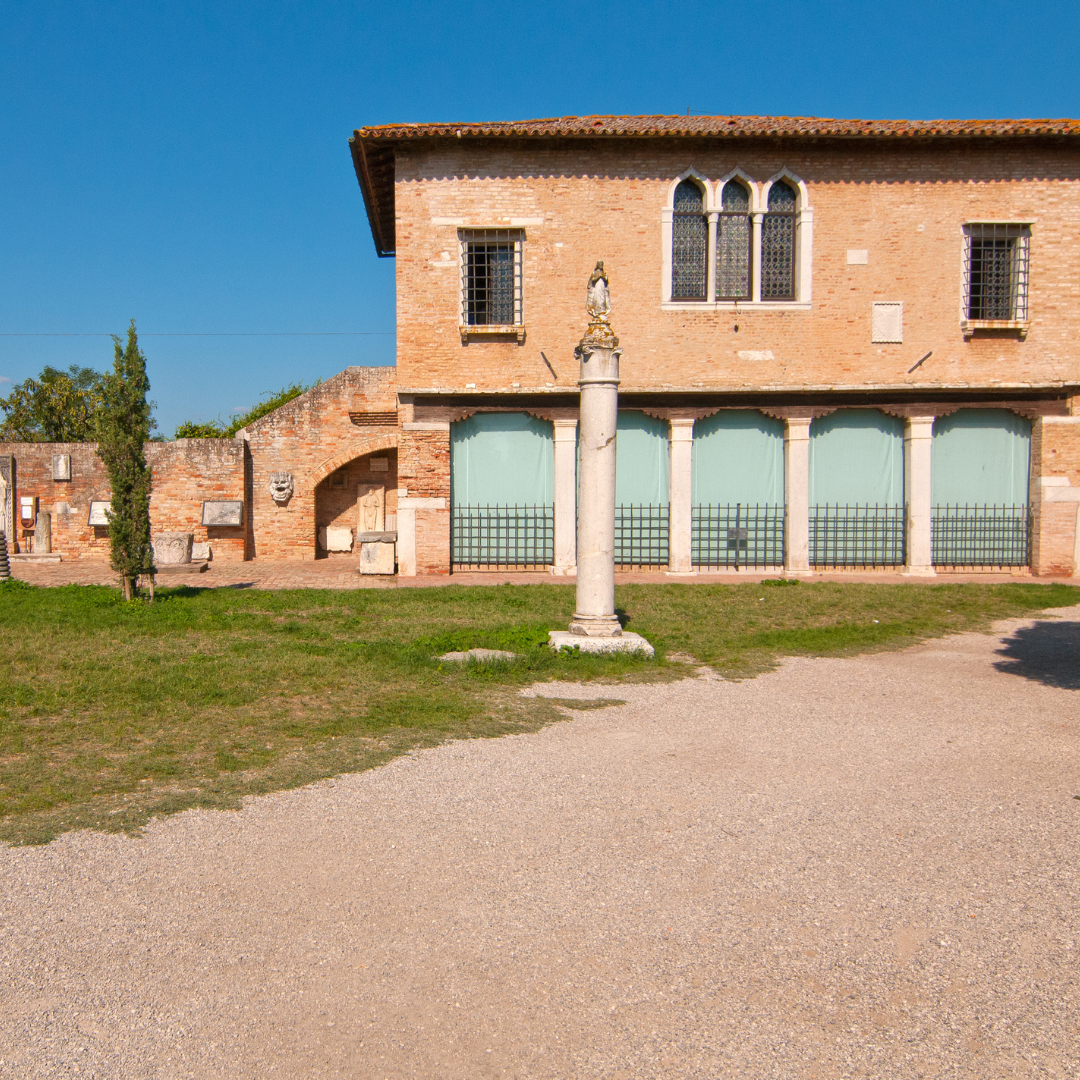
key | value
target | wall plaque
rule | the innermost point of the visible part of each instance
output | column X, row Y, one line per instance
column 99, row 513
column 223, row 512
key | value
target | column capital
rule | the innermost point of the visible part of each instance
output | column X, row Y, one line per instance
column 797, row 427
column 564, row 427
column 682, row 428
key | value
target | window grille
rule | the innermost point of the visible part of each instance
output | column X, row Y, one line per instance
column 857, row 536
column 733, row 238
column 996, row 272
column 641, row 535
column 491, row 277
column 778, row 244
column 737, row 535
column 689, row 243
column 969, row 536
column 487, row 537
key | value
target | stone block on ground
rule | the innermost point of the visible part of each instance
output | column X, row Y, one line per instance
column 480, row 655
column 377, row 557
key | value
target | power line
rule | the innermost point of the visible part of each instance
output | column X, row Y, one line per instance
column 256, row 333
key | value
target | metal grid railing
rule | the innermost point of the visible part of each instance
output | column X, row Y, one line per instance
column 996, row 271
column 963, row 536
column 857, row 536
column 737, row 535
column 641, row 535
column 489, row 537
column 491, row 277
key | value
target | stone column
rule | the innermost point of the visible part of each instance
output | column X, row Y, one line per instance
column 594, row 614
column 679, row 497
column 797, row 495
column 406, row 539
column 918, row 433
column 710, row 266
column 565, row 496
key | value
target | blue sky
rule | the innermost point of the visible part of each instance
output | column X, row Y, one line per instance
column 186, row 164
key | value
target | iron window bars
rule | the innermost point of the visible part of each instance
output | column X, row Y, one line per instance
column 857, row 536
column 641, row 535
column 778, row 244
column 733, row 239
column 737, row 535
column 969, row 536
column 996, row 272
column 485, row 537
column 491, row 277
column 689, row 243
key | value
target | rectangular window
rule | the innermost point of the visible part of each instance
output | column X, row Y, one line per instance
column 491, row 277
column 996, row 272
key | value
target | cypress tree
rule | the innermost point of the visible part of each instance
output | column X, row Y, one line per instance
column 124, row 425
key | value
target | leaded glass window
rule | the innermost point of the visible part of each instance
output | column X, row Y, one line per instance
column 778, row 244
column 733, row 235
column 996, row 278
column 689, row 243
column 491, row 277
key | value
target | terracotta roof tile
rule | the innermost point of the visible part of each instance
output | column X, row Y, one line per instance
column 723, row 127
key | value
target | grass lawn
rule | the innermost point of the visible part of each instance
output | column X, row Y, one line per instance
column 112, row 713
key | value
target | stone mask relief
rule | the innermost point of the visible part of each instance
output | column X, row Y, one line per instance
column 281, row 486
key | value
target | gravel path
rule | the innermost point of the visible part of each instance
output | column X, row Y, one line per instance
column 861, row 867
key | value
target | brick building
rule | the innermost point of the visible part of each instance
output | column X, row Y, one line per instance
column 844, row 344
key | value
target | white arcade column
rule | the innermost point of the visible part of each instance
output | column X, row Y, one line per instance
column 918, row 441
column 680, row 509
column 565, row 496
column 797, row 495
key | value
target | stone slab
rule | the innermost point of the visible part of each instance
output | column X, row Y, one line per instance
column 224, row 513
column 31, row 557
column 180, row 568
column 389, row 537
column 479, row 655
column 624, row 642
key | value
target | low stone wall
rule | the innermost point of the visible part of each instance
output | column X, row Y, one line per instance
column 185, row 473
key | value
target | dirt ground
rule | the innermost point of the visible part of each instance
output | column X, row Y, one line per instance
column 847, row 868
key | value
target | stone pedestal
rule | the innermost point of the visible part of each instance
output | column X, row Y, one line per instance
column 377, row 552
column 172, row 549
column 43, row 534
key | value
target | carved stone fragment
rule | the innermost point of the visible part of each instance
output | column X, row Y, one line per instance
column 281, row 486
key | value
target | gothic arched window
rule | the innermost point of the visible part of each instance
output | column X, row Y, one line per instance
column 778, row 244
column 689, row 243
column 733, row 236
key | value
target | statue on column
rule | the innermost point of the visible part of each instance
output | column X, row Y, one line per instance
column 598, row 303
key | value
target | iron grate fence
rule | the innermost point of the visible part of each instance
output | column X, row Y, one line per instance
column 641, row 535
column 857, row 536
column 737, row 535
column 486, row 537
column 962, row 536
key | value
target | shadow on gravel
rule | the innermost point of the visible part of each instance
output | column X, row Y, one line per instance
column 1048, row 652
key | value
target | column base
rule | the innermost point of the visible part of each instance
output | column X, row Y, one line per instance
column 680, row 573
column 564, row 571
column 919, row 571
column 626, row 642
column 593, row 626
column 796, row 573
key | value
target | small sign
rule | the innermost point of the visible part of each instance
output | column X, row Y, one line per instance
column 226, row 513
column 99, row 513
column 887, row 322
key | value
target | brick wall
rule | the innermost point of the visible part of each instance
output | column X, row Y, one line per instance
column 580, row 203
column 312, row 437
column 1055, row 456
column 185, row 473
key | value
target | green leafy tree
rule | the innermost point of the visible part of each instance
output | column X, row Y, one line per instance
column 124, row 425
column 217, row 429
column 57, row 406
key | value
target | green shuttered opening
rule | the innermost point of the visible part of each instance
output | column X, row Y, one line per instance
column 502, row 503
column 979, row 489
column 737, row 490
column 641, row 490
column 857, row 489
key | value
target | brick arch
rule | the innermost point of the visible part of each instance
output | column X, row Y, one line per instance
column 353, row 451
